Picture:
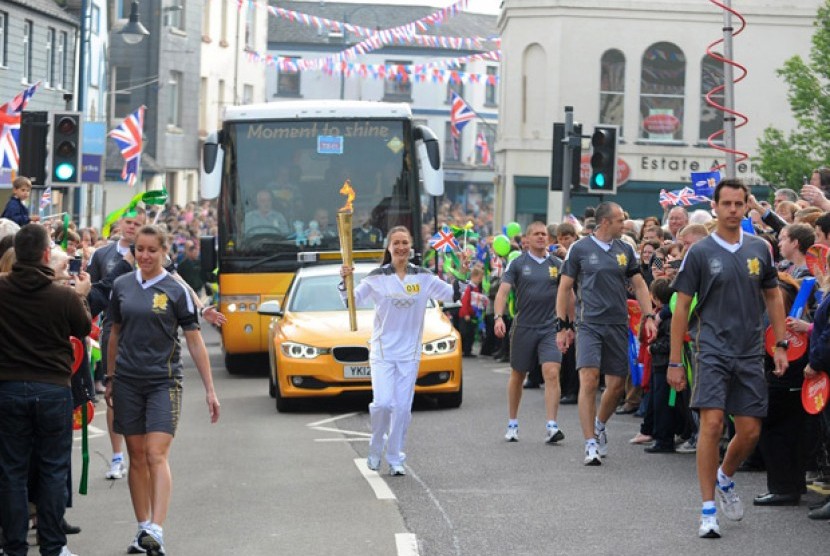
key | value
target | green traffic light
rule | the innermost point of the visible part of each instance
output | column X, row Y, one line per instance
column 64, row 171
column 599, row 180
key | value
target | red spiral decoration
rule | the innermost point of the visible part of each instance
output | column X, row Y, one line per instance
column 740, row 119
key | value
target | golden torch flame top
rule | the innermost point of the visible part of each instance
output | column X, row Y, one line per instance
column 349, row 193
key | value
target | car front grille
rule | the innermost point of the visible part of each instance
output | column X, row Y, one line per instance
column 350, row 354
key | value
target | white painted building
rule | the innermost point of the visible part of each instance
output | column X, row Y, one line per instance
column 229, row 74
column 468, row 180
column 621, row 61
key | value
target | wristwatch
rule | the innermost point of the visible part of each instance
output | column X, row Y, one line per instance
column 496, row 317
column 650, row 316
column 783, row 344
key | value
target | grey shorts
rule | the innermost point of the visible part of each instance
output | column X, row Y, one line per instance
column 141, row 406
column 733, row 384
column 531, row 346
column 603, row 346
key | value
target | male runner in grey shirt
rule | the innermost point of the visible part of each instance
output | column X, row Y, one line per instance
column 734, row 278
column 598, row 266
column 535, row 277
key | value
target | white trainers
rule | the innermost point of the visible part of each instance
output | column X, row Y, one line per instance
column 709, row 528
column 602, row 442
column 688, row 447
column 116, row 470
column 730, row 503
column 373, row 462
column 553, row 435
column 64, row 551
column 592, row 455
column 512, row 434
column 152, row 541
column 134, row 547
column 396, row 470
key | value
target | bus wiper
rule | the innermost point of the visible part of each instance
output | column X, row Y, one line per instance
column 274, row 257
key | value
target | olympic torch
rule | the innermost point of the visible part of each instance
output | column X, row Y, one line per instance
column 344, row 230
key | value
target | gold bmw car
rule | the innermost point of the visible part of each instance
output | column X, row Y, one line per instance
column 314, row 354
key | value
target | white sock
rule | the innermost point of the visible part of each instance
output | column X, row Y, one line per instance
column 599, row 425
column 724, row 480
column 552, row 425
column 512, row 423
column 709, row 507
column 118, row 456
column 591, row 441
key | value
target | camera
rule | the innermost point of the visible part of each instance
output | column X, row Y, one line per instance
column 75, row 266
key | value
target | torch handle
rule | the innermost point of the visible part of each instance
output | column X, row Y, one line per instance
column 352, row 308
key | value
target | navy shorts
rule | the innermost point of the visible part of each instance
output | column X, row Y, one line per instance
column 734, row 384
column 603, row 346
column 146, row 405
column 531, row 346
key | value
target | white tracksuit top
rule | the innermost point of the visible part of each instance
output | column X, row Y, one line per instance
column 400, row 306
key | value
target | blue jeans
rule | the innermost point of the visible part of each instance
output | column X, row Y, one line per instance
column 36, row 430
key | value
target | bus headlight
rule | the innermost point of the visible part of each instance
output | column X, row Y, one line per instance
column 300, row 351
column 239, row 303
column 439, row 347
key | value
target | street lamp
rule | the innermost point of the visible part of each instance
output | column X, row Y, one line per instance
column 133, row 32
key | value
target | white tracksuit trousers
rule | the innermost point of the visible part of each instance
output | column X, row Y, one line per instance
column 393, row 388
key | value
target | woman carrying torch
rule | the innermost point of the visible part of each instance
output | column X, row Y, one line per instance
column 400, row 292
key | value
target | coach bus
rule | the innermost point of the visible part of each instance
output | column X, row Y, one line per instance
column 277, row 170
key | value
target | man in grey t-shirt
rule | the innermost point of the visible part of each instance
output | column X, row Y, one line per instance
column 534, row 275
column 597, row 267
column 734, row 278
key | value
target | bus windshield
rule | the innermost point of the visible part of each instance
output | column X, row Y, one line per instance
column 282, row 180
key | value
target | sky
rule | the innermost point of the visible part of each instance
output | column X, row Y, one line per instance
column 475, row 6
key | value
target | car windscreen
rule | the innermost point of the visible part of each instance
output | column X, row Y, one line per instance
column 319, row 293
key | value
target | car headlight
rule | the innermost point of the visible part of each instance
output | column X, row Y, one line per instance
column 300, row 351
column 439, row 347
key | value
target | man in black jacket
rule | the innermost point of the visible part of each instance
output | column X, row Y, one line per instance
column 37, row 317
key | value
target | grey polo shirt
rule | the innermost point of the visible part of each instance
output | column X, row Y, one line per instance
column 535, row 282
column 150, row 314
column 600, row 271
column 728, row 281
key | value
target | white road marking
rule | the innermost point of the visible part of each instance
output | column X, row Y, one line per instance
column 456, row 543
column 341, row 431
column 92, row 432
column 502, row 370
column 331, row 419
column 382, row 490
column 407, row 544
column 348, row 439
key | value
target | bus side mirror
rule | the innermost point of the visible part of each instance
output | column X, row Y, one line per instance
column 429, row 160
column 212, row 162
column 207, row 253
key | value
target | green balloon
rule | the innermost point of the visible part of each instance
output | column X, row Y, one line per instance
column 501, row 245
column 514, row 229
column 513, row 255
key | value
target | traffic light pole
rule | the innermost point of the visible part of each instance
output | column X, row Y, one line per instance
column 566, row 162
column 728, row 93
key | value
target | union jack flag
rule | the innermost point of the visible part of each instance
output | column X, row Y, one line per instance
column 46, row 198
column 128, row 136
column 444, row 240
column 460, row 115
column 685, row 197
column 483, row 148
column 10, row 127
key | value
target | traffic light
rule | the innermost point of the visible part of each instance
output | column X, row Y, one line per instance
column 603, row 160
column 34, row 127
column 558, row 158
column 65, row 149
